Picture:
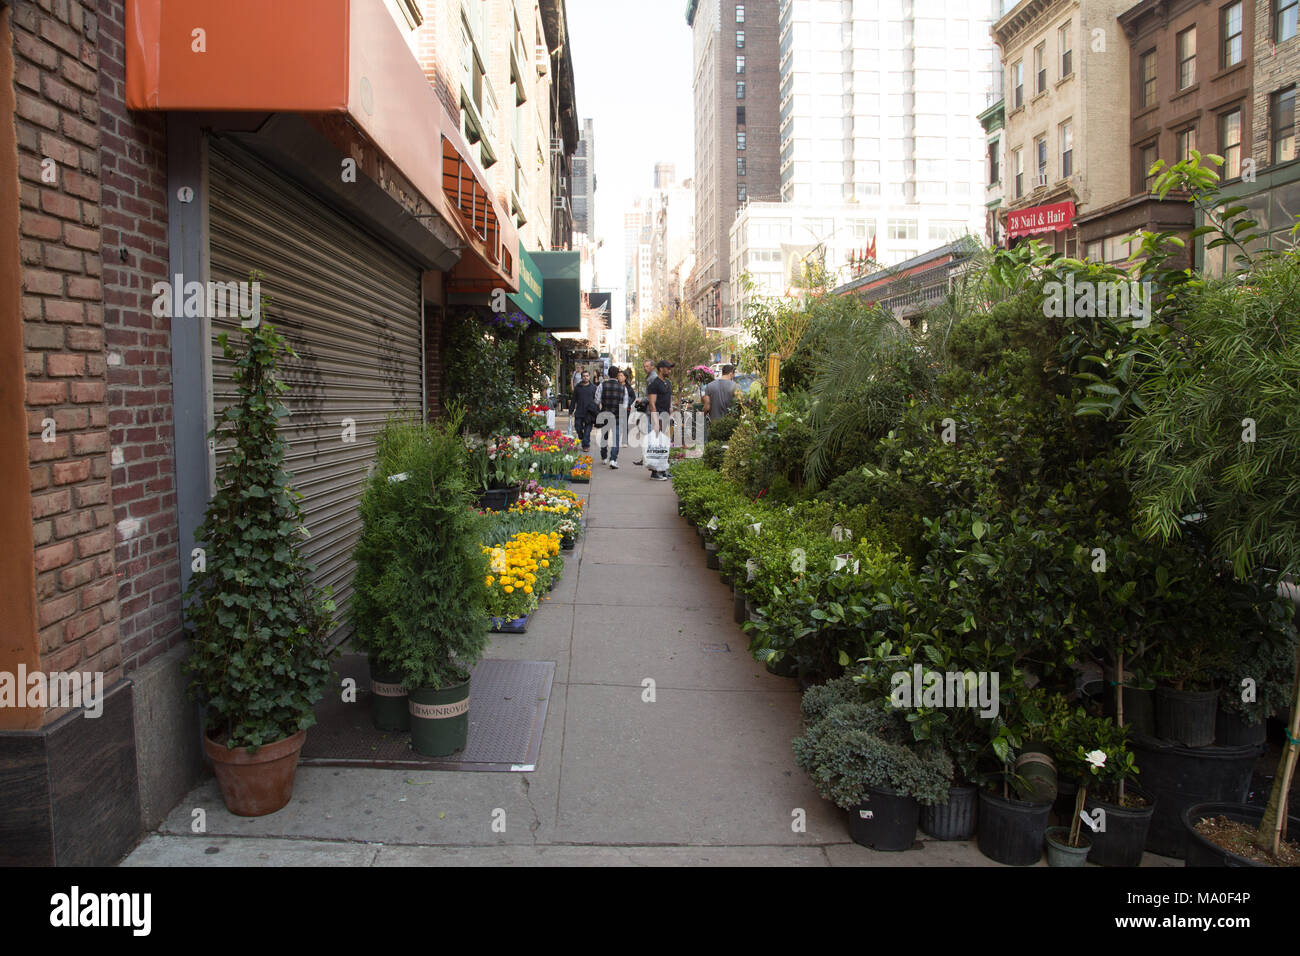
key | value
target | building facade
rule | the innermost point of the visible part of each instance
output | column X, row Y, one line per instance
column 1065, row 87
column 131, row 163
column 584, row 181
column 1190, row 88
column 737, row 150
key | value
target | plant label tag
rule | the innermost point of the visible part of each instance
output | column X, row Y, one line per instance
column 757, row 527
column 751, row 566
column 713, row 523
column 393, row 479
column 867, row 814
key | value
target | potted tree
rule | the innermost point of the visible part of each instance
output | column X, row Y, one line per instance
column 1217, row 399
column 1089, row 751
column 424, row 610
column 258, row 630
column 861, row 755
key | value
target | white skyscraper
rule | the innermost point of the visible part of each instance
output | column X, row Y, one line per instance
column 880, row 143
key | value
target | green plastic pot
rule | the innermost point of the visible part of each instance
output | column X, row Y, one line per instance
column 388, row 699
column 1059, row 851
column 439, row 719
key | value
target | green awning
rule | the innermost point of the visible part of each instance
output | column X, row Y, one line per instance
column 529, row 296
column 561, row 290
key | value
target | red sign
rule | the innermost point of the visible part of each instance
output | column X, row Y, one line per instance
column 1053, row 218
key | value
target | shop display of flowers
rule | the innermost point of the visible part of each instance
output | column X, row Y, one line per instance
column 520, row 572
column 552, row 453
column 582, row 470
column 557, row 501
column 536, row 416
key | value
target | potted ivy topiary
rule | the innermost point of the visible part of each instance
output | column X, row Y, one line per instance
column 861, row 755
column 424, row 611
column 258, row 630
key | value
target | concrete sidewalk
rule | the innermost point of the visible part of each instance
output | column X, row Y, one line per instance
column 702, row 775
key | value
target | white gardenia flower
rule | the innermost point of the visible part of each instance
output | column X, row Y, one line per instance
column 1097, row 758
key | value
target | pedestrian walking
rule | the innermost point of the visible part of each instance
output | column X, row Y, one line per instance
column 643, row 406
column 613, row 399
column 660, row 397
column 585, row 408
column 719, row 394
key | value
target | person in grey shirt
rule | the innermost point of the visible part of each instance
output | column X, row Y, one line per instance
column 719, row 393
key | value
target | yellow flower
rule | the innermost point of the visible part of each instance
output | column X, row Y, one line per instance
column 509, row 589
column 546, row 564
column 528, row 589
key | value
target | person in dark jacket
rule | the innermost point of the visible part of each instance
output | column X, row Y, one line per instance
column 585, row 408
column 613, row 396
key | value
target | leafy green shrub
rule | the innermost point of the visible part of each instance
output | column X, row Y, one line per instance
column 851, row 743
column 720, row 430
column 419, row 601
column 714, row 453
column 260, row 657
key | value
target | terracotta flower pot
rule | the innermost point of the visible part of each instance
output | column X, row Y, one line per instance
column 253, row 785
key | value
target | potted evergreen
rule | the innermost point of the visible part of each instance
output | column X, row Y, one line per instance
column 258, row 630
column 420, row 601
column 861, row 755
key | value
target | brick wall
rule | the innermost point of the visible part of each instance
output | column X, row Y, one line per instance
column 438, row 38
column 133, row 164
column 56, row 88
column 1276, row 65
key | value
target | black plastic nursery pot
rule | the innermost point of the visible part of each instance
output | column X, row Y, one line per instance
column 954, row 820
column 1202, row 852
column 388, row 699
column 885, row 820
column 498, row 499
column 1012, row 831
column 1124, row 839
column 738, row 613
column 440, row 719
column 1186, row 716
column 1139, row 709
column 782, row 667
column 1178, row 777
column 1231, row 730
column 711, row 555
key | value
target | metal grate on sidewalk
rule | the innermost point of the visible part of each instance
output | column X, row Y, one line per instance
column 507, row 713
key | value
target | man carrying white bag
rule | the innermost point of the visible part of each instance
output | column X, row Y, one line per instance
column 657, row 442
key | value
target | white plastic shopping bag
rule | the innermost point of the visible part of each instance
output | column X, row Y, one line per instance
column 656, row 451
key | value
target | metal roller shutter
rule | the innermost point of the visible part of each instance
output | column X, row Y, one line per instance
column 350, row 307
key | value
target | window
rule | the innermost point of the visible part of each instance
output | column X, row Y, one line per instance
column 1283, row 123
column 1284, row 19
column 740, row 139
column 902, row 229
column 1094, row 251
column 1065, row 45
column 1018, row 166
column 740, row 89
column 740, row 165
column 742, row 192
column 1186, row 143
column 740, row 116
column 1230, row 143
column 740, row 64
column 1186, row 58
column 1040, row 154
column 1067, row 148
column 1147, row 76
column 1150, row 154
column 740, row 13
column 1230, row 29
column 995, row 174
column 740, row 39
column 1018, row 84
column 1040, row 68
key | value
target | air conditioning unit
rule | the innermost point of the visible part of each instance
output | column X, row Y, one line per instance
column 557, row 146
column 543, row 59
column 1041, row 181
column 564, row 183
column 558, row 202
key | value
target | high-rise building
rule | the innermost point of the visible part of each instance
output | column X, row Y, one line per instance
column 881, row 152
column 736, row 145
column 584, row 181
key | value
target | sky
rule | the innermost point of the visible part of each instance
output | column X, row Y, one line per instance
column 632, row 71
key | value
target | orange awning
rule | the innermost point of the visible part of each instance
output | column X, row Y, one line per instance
column 321, row 56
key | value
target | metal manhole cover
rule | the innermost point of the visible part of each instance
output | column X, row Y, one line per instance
column 507, row 713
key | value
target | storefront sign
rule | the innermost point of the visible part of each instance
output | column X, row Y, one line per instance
column 529, row 297
column 1027, row 222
